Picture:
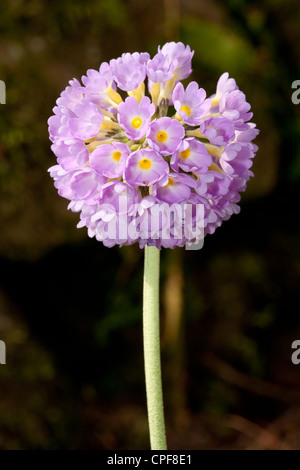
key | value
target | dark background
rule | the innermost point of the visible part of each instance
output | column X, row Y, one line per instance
column 70, row 309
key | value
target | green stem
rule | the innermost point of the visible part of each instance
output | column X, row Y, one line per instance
column 152, row 349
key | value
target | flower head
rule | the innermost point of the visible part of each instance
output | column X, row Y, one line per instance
column 137, row 168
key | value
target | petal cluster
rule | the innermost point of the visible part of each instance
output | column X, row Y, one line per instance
column 138, row 163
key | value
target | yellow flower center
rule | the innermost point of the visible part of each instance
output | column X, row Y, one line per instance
column 145, row 164
column 185, row 154
column 170, row 182
column 116, row 155
column 162, row 136
column 136, row 122
column 186, row 109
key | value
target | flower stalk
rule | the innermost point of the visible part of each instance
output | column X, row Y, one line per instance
column 152, row 349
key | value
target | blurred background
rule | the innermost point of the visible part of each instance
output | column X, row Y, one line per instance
column 70, row 309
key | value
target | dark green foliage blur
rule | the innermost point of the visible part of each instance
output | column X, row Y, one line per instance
column 70, row 309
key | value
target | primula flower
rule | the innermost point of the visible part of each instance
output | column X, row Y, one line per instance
column 191, row 156
column 129, row 70
column 165, row 135
column 135, row 117
column 191, row 104
column 87, row 121
column 98, row 86
column 180, row 54
column 175, row 188
column 219, row 131
column 144, row 167
column 109, row 159
column 121, row 159
column 160, row 69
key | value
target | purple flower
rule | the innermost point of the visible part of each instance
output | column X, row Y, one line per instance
column 71, row 95
column 234, row 106
column 226, row 84
column 136, row 175
column 165, row 135
column 237, row 159
column 72, row 155
column 135, row 117
column 192, row 156
column 247, row 134
column 218, row 185
column 144, row 167
column 87, row 121
column 111, row 197
column 182, row 54
column 176, row 188
column 219, row 131
column 86, row 184
column 98, row 82
column 59, row 124
column 97, row 86
column 129, row 70
column 160, row 69
column 109, row 159
column 191, row 104
column 79, row 185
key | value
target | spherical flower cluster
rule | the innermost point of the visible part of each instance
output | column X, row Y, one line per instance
column 124, row 159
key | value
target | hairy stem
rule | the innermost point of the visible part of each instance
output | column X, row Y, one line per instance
column 152, row 349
